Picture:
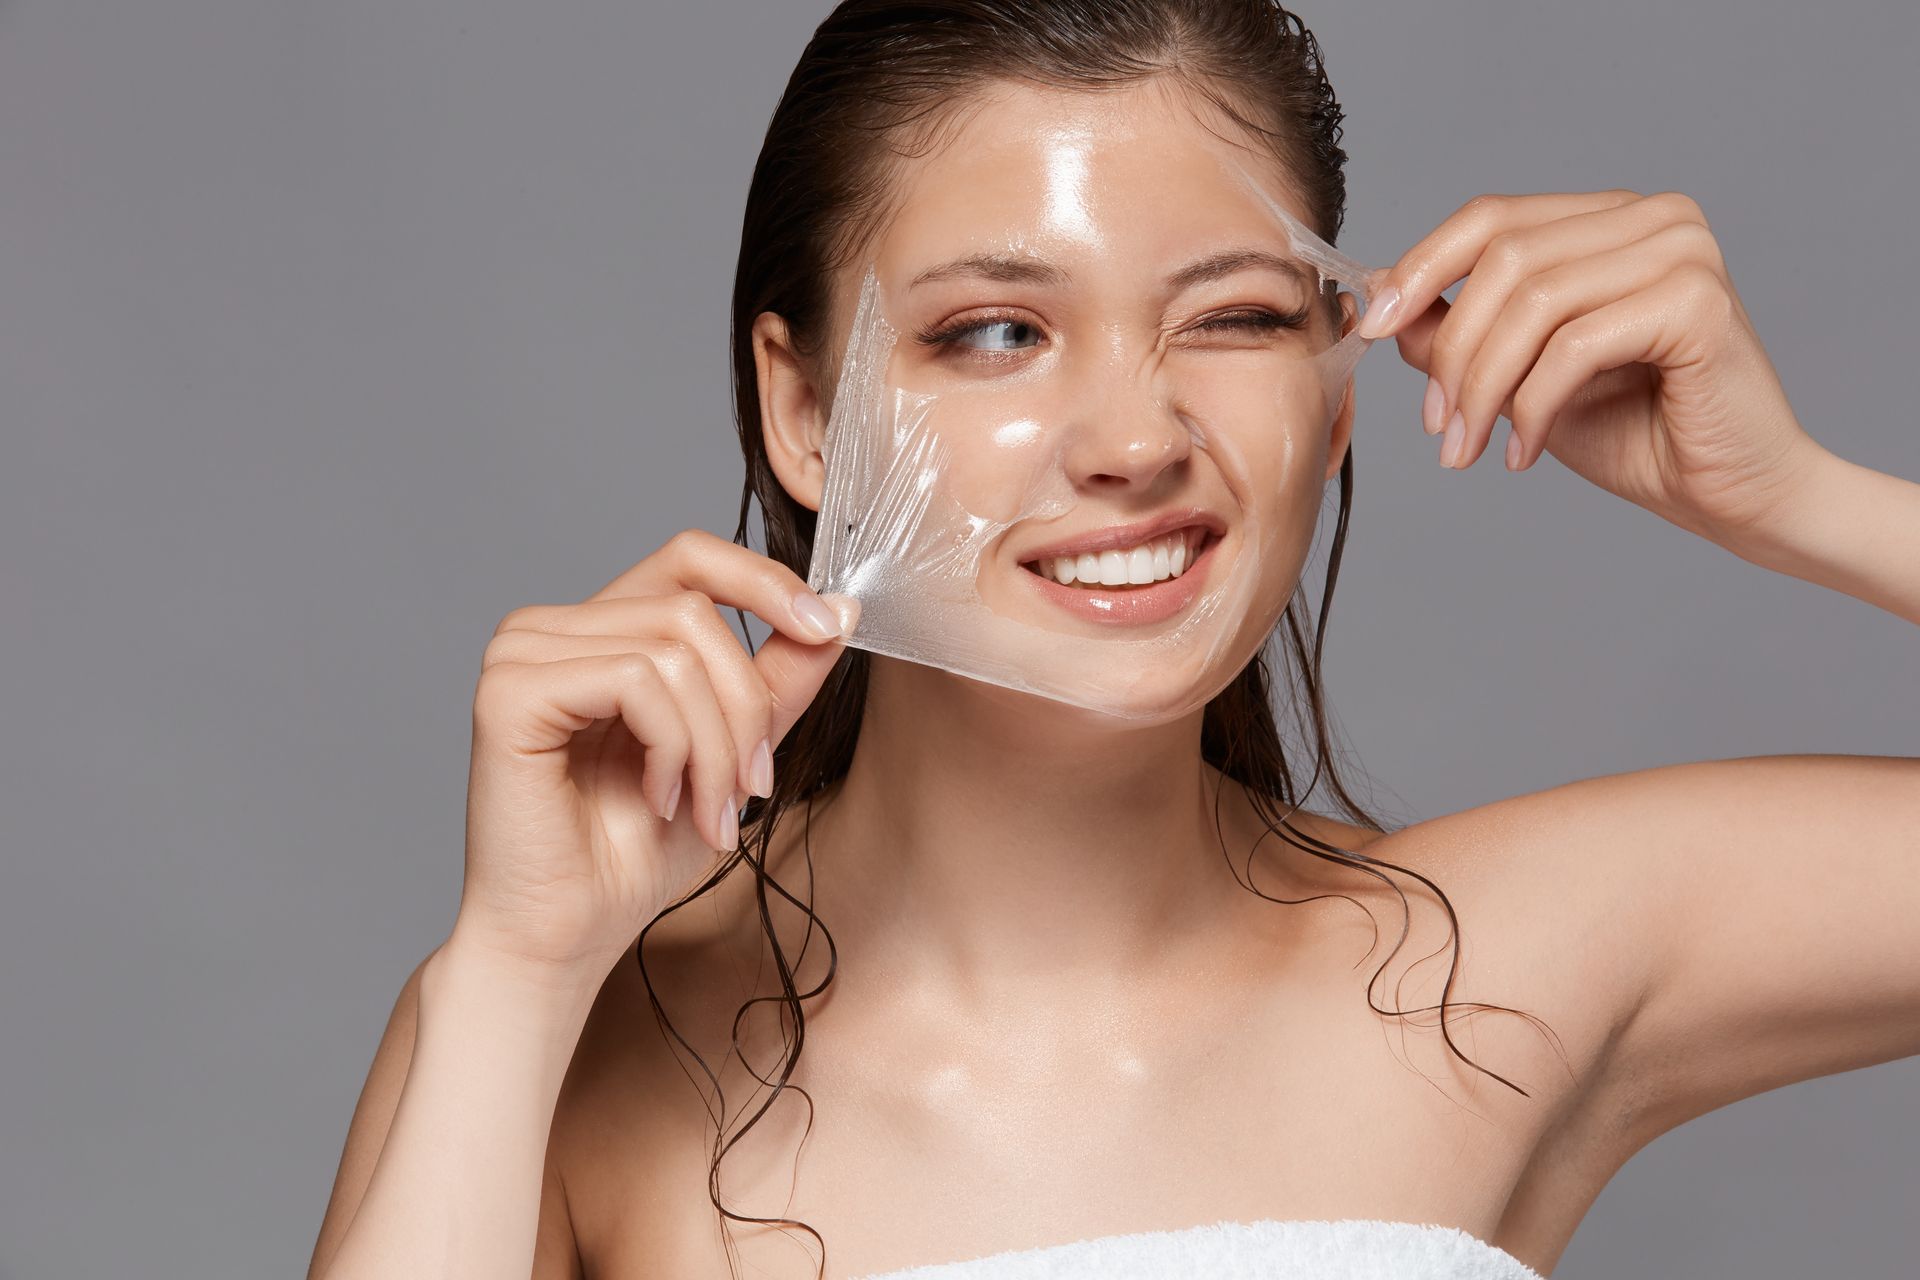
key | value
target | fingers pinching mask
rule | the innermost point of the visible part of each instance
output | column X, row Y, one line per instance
column 954, row 503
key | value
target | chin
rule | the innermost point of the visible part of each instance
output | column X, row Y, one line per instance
column 1144, row 698
column 1161, row 695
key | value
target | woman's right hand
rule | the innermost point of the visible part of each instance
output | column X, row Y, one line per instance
column 614, row 739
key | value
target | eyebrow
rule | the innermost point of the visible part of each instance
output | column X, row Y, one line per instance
column 1216, row 265
column 1010, row 268
column 1006, row 268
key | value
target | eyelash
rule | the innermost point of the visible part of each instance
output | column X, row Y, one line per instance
column 948, row 336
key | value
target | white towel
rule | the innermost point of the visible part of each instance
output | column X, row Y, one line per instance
column 1267, row 1249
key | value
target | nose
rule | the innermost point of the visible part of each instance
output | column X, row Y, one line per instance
column 1125, row 435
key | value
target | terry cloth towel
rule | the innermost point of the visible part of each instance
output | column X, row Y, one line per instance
column 1266, row 1249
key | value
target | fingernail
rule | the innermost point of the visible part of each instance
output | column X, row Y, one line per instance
column 1380, row 313
column 673, row 801
column 815, row 617
column 1513, row 450
column 1434, row 405
column 760, row 771
column 1456, row 439
column 729, row 825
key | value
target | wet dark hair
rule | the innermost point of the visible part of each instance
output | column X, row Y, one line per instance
column 876, row 83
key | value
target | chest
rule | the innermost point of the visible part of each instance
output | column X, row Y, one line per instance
column 928, row 1142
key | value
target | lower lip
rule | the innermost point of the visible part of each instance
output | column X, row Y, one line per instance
column 1130, row 606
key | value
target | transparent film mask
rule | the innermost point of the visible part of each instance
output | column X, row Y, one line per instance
column 940, row 484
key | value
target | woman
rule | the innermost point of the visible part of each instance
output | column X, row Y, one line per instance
column 1047, row 1012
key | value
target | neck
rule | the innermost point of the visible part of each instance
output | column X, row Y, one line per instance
column 984, row 838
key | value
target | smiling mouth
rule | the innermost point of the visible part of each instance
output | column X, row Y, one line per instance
column 1156, row 560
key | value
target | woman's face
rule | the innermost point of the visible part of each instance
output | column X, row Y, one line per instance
column 1114, row 338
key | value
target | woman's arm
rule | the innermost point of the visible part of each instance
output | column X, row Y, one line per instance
column 591, row 722
column 1768, row 902
column 1853, row 529
column 445, row 1171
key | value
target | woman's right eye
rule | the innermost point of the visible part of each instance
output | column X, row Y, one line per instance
column 994, row 335
column 1014, row 330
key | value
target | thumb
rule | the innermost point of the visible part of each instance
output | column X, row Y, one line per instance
column 794, row 671
column 1416, row 336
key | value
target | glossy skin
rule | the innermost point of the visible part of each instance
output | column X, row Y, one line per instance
column 1120, row 376
column 1056, row 1015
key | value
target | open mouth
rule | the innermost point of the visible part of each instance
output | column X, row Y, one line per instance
column 1157, row 560
column 1147, row 583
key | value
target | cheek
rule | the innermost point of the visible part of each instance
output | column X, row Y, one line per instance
column 1268, row 439
column 988, row 455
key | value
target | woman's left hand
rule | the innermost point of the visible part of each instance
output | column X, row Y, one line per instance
column 1604, row 326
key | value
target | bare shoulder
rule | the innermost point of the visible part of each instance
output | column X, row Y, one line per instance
column 1711, row 884
column 633, row 1126
column 1572, row 900
column 1531, row 901
column 1525, row 885
column 1543, row 877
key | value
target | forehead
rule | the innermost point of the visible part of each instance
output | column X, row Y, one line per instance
column 1097, row 182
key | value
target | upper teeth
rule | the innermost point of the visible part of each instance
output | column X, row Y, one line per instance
column 1163, row 557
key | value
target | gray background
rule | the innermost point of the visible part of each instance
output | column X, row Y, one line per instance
column 331, row 332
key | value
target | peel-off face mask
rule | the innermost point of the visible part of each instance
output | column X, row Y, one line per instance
column 963, row 511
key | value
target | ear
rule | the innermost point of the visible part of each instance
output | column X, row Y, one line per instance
column 1342, row 434
column 792, row 422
